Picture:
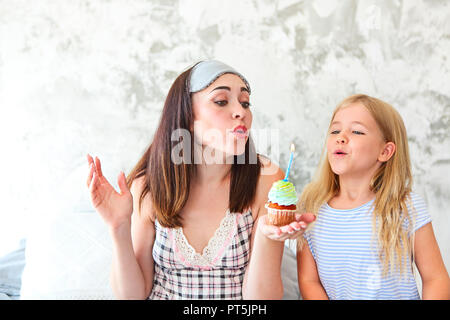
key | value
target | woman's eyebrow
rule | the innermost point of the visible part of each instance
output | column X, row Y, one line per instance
column 229, row 89
column 221, row 87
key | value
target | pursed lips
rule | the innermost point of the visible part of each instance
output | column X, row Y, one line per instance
column 240, row 131
column 339, row 153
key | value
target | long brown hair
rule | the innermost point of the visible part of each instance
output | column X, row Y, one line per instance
column 392, row 184
column 167, row 182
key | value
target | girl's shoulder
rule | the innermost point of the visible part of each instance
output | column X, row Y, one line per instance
column 416, row 198
column 417, row 211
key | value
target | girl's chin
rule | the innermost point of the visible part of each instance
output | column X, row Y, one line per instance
column 338, row 171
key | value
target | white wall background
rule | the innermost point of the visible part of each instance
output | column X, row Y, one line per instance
column 89, row 76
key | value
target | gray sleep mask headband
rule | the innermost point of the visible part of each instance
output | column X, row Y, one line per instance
column 206, row 72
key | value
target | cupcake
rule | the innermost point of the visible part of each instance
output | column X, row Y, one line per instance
column 282, row 204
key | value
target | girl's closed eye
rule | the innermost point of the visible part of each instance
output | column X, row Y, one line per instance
column 334, row 132
column 358, row 132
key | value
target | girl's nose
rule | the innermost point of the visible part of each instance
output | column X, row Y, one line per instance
column 341, row 139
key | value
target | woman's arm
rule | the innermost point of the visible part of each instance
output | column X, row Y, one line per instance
column 132, row 266
column 308, row 277
column 263, row 275
column 428, row 259
column 262, row 278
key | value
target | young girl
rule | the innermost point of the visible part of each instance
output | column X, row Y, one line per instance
column 370, row 227
column 195, row 229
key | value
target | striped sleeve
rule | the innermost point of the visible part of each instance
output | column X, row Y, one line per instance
column 307, row 237
column 420, row 213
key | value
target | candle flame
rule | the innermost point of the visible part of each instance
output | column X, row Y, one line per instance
column 292, row 147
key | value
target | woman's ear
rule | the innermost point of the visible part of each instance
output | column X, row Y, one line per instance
column 388, row 152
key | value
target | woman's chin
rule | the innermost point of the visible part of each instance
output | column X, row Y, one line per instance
column 223, row 154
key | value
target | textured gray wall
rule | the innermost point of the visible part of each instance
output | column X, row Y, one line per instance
column 91, row 76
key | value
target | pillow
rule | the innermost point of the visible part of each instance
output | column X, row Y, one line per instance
column 289, row 272
column 11, row 268
column 68, row 256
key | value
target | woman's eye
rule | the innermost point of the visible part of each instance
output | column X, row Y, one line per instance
column 221, row 103
column 245, row 104
column 357, row 132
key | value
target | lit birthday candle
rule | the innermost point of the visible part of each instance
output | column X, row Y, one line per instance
column 282, row 199
column 290, row 162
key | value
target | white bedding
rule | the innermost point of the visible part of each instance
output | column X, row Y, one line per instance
column 68, row 256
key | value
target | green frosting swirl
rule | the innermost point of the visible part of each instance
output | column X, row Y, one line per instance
column 283, row 193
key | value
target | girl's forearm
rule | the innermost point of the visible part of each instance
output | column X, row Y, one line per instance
column 312, row 290
column 127, row 280
column 263, row 279
column 436, row 289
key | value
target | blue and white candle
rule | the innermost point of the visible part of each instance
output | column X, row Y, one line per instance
column 290, row 162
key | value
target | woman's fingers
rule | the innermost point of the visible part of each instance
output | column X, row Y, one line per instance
column 91, row 169
column 287, row 229
column 98, row 167
column 290, row 231
column 93, row 183
column 122, row 182
column 91, row 173
column 94, row 192
column 89, row 158
column 305, row 217
column 94, row 166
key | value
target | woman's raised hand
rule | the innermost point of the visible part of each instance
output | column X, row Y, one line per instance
column 115, row 208
column 292, row 231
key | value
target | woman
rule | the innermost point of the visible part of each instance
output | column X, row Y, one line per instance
column 195, row 229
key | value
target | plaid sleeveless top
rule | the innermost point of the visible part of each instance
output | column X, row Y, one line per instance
column 218, row 273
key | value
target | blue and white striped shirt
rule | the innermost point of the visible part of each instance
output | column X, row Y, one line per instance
column 344, row 247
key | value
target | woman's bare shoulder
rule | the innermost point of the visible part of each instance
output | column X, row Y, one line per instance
column 270, row 172
column 137, row 187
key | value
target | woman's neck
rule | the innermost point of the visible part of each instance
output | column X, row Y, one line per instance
column 213, row 174
column 212, row 170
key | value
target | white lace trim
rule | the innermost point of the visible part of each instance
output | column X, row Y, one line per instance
column 214, row 249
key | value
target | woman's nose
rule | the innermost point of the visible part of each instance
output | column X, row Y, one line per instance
column 238, row 111
column 237, row 115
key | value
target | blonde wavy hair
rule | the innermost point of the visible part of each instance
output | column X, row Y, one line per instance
column 391, row 183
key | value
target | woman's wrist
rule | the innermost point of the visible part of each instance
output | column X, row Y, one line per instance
column 121, row 229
